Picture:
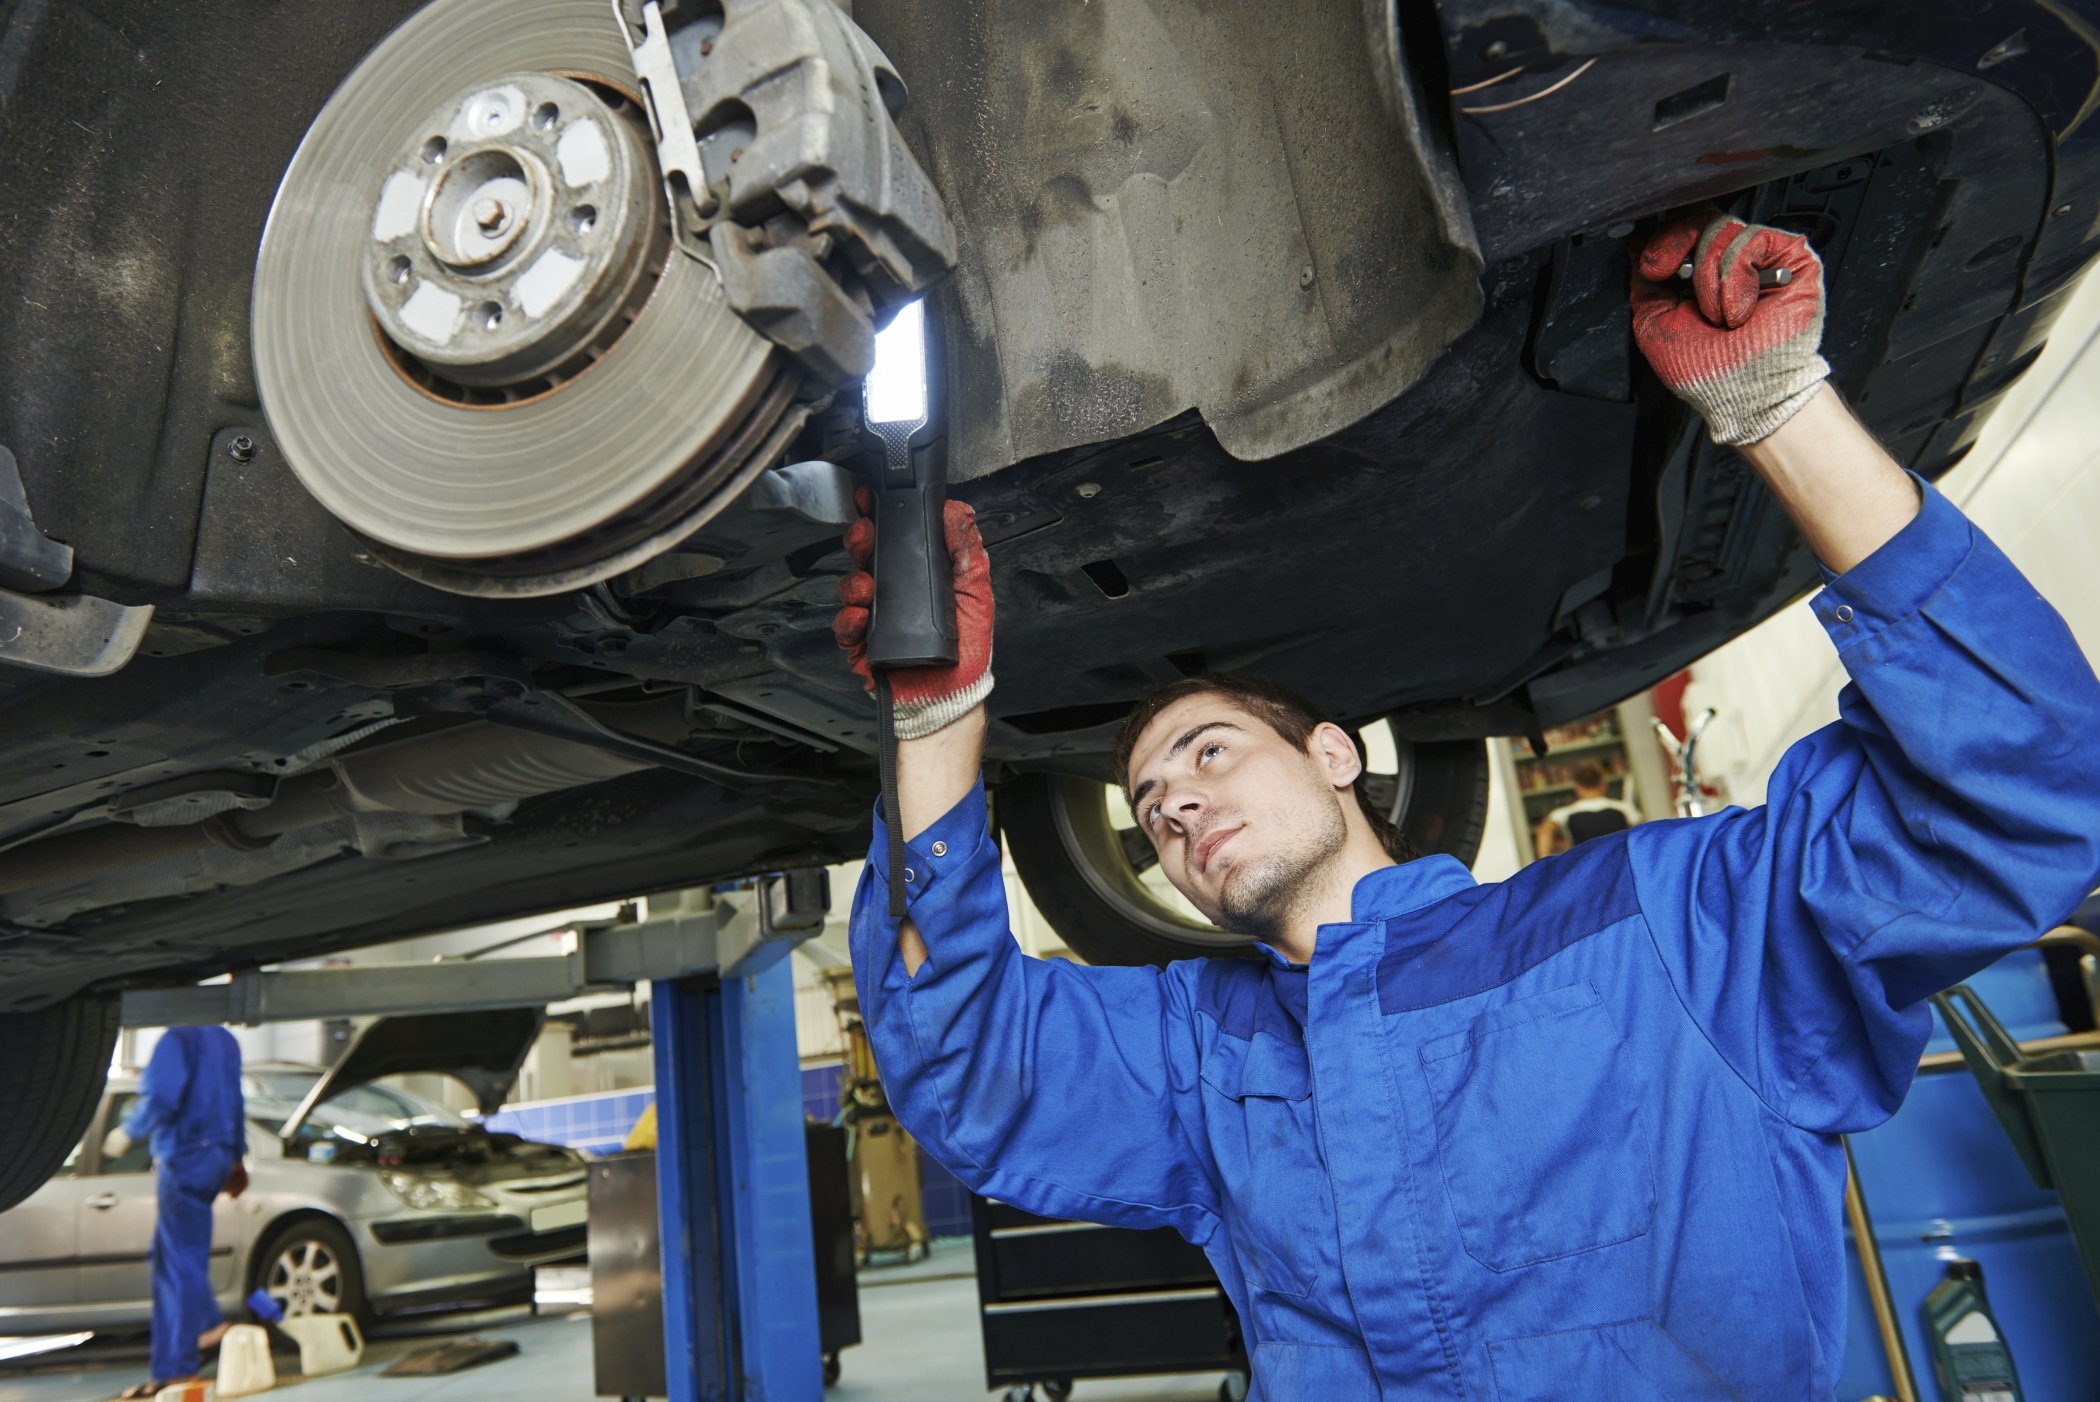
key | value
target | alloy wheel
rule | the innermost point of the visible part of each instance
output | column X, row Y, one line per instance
column 306, row 1278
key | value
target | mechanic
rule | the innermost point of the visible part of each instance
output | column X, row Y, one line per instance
column 189, row 1107
column 1594, row 813
column 1573, row 1135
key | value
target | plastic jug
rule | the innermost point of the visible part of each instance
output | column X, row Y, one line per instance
column 1969, row 1352
column 328, row 1343
column 244, row 1361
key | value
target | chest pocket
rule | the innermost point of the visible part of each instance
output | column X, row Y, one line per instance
column 1543, row 1143
column 1259, row 1114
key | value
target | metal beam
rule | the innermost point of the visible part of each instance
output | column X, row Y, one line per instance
column 295, row 995
column 690, row 933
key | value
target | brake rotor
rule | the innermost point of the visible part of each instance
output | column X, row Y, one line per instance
column 474, row 343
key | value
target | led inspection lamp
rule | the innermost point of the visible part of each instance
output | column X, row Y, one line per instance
column 905, row 441
column 905, row 435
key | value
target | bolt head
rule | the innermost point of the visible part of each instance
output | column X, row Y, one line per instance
column 1089, row 490
column 241, row 448
column 2060, row 211
column 1305, row 276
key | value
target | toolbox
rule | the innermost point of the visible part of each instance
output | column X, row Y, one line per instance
column 1063, row 1300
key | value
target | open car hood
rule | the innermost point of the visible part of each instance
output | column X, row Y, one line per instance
column 481, row 1049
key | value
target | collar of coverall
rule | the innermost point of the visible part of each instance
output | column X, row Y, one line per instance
column 1390, row 892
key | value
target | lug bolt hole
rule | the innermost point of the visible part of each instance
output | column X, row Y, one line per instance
column 488, row 316
column 583, row 218
column 545, row 115
column 434, row 150
column 397, row 269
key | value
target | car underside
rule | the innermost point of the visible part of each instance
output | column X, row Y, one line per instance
column 1283, row 339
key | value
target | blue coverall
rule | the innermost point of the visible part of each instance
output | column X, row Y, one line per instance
column 189, row 1105
column 1571, row 1136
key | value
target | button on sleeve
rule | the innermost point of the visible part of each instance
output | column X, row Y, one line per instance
column 943, row 852
column 1896, row 581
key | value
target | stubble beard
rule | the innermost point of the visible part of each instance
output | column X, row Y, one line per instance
column 1260, row 898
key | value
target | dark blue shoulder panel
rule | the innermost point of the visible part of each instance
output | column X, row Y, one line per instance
column 1483, row 938
column 1240, row 996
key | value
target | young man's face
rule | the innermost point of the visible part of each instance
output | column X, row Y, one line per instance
column 1240, row 817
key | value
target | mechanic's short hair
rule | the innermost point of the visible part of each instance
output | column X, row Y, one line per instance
column 1282, row 710
column 1588, row 775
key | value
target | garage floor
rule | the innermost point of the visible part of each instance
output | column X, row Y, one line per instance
column 923, row 1345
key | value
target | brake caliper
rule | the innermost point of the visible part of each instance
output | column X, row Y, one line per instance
column 785, row 170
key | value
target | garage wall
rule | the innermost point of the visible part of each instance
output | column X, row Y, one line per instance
column 2032, row 483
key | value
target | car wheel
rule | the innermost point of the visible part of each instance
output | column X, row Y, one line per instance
column 310, row 1267
column 57, row 1061
column 1085, row 863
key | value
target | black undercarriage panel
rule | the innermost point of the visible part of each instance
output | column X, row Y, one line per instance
column 1533, row 530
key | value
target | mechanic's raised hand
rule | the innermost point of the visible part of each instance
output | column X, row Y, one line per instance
column 1745, row 359
column 116, row 1144
column 927, row 698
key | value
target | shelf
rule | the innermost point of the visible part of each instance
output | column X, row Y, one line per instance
column 1563, row 751
column 1613, row 781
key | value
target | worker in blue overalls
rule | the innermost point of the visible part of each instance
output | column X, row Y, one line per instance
column 189, row 1107
column 1574, row 1135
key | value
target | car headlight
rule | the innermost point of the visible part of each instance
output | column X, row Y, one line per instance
column 432, row 1194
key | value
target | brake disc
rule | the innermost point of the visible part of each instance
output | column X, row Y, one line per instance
column 474, row 344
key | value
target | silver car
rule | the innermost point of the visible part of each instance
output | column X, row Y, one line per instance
column 362, row 1198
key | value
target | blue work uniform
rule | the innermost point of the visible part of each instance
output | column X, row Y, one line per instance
column 189, row 1106
column 1569, row 1136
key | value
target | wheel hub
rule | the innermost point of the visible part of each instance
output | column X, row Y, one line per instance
column 304, row 1281
column 505, row 240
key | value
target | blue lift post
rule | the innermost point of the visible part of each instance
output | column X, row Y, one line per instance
column 739, row 1275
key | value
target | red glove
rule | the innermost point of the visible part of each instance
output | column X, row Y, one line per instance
column 927, row 698
column 1746, row 359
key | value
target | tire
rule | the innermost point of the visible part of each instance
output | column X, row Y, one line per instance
column 57, row 1061
column 832, row 1369
column 1444, row 811
column 1079, row 870
column 309, row 1266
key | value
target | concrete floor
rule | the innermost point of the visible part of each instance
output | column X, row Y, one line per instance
column 920, row 1323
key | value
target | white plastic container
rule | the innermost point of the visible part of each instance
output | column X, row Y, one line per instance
column 328, row 1343
column 244, row 1362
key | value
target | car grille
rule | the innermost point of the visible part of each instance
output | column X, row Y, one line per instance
column 439, row 1228
column 561, row 1241
column 543, row 1185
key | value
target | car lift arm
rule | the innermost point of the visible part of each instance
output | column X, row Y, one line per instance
column 692, row 932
